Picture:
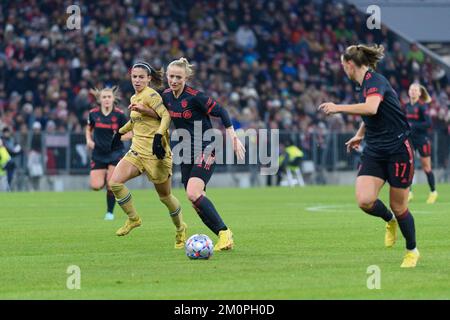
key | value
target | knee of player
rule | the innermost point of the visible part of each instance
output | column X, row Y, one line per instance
column 108, row 187
column 426, row 169
column 365, row 202
column 398, row 209
column 193, row 194
column 96, row 186
column 115, row 186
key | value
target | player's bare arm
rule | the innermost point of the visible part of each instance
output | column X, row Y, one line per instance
column 368, row 108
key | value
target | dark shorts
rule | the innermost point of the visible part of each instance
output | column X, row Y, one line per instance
column 203, row 170
column 106, row 161
column 423, row 145
column 397, row 169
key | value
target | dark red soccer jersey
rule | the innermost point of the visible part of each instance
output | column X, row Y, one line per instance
column 104, row 127
column 418, row 118
column 388, row 128
column 192, row 108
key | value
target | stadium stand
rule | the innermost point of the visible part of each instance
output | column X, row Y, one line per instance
column 271, row 64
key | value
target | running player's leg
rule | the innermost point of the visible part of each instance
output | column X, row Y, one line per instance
column 400, row 175
column 197, row 177
column 399, row 205
column 204, row 207
column 208, row 213
column 98, row 175
column 173, row 205
column 110, row 198
column 425, row 160
column 186, row 172
column 371, row 178
column 367, row 190
column 426, row 166
column 125, row 171
column 372, row 175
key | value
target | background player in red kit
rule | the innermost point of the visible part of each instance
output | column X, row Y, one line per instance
column 103, row 121
column 420, row 122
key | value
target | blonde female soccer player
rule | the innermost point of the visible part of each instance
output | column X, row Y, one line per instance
column 149, row 153
column 187, row 106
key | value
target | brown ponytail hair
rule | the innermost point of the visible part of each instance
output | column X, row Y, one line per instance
column 363, row 55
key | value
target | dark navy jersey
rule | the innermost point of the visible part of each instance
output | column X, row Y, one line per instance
column 418, row 118
column 104, row 127
column 388, row 128
column 192, row 106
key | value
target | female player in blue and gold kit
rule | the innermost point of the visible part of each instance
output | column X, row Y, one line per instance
column 103, row 121
column 420, row 122
column 149, row 152
column 388, row 155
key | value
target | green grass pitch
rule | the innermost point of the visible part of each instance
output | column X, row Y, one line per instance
column 291, row 243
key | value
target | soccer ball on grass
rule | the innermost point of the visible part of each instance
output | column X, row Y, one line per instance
column 199, row 246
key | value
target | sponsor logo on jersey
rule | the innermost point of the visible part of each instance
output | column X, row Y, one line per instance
column 187, row 114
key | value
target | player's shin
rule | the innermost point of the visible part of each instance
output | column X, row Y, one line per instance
column 407, row 227
column 175, row 212
column 378, row 209
column 209, row 214
column 431, row 180
column 124, row 199
column 110, row 201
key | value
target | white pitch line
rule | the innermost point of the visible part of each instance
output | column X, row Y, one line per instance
column 346, row 208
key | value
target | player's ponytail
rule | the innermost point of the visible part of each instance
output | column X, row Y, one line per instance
column 424, row 95
column 157, row 81
column 363, row 55
column 157, row 78
column 184, row 63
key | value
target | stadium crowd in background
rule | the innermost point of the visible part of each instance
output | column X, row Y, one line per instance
column 271, row 65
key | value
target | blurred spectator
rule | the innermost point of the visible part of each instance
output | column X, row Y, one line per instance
column 35, row 159
column 14, row 149
column 415, row 54
column 4, row 160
